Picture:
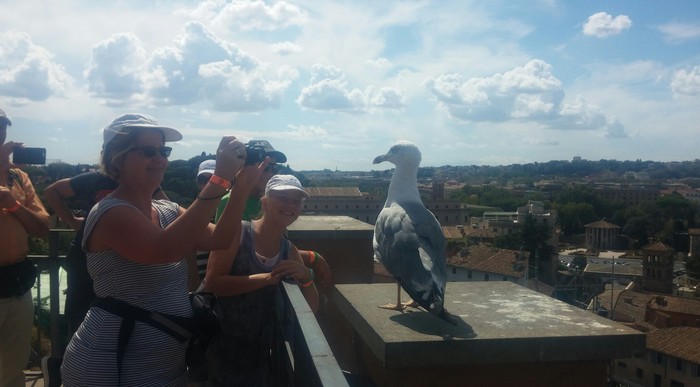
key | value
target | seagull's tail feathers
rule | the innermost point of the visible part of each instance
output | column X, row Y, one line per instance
column 448, row 317
column 430, row 296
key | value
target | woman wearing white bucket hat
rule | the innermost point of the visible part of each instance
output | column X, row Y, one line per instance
column 135, row 249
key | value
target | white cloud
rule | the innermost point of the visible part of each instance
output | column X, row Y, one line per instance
column 579, row 115
column 117, row 67
column 197, row 67
column 302, row 132
column 285, row 48
column 680, row 32
column 615, row 130
column 229, row 88
column 256, row 15
column 379, row 62
column 320, row 72
column 602, row 25
column 28, row 71
column 387, row 97
column 330, row 94
column 686, row 83
column 529, row 93
column 329, row 90
column 525, row 92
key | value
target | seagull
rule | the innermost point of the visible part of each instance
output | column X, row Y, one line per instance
column 408, row 239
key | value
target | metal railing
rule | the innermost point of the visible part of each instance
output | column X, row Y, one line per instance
column 301, row 355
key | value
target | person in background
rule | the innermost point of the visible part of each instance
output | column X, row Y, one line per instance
column 135, row 254
column 245, row 278
column 204, row 173
column 253, row 207
column 89, row 188
column 21, row 214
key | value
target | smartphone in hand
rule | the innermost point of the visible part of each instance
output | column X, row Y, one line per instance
column 36, row 156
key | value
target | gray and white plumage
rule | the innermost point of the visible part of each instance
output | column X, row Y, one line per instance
column 408, row 239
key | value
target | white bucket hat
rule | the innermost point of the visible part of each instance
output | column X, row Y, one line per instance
column 126, row 122
column 284, row 183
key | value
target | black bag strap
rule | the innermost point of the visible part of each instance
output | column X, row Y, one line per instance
column 177, row 327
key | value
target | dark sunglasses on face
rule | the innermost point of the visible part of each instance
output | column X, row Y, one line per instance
column 274, row 168
column 151, row 151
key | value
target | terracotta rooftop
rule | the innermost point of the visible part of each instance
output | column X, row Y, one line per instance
column 675, row 304
column 679, row 342
column 451, row 232
column 631, row 305
column 657, row 246
column 490, row 260
column 601, row 224
column 480, row 233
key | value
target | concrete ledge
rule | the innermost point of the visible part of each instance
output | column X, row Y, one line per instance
column 329, row 227
column 500, row 322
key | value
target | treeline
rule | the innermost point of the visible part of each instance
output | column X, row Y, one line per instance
column 653, row 170
column 663, row 219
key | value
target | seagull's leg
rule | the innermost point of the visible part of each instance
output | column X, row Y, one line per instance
column 398, row 305
column 398, row 295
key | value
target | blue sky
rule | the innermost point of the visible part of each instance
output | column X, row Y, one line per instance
column 334, row 83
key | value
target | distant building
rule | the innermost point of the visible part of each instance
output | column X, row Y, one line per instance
column 479, row 236
column 671, row 358
column 672, row 354
column 627, row 195
column 692, row 195
column 602, row 235
column 694, row 234
column 657, row 267
column 349, row 201
column 485, row 263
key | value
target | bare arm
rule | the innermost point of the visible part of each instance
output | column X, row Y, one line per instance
column 31, row 213
column 218, row 236
column 220, row 282
column 56, row 195
column 134, row 236
column 294, row 267
column 316, row 261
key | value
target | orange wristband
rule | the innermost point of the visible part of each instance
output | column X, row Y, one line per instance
column 15, row 207
column 306, row 284
column 221, row 182
column 312, row 257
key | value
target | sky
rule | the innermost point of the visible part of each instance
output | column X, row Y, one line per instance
column 333, row 84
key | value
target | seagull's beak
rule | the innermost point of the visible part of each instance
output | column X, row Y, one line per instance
column 379, row 159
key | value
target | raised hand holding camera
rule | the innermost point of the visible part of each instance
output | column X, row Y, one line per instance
column 254, row 154
column 230, row 157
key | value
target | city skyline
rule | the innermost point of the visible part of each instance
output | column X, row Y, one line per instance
column 334, row 84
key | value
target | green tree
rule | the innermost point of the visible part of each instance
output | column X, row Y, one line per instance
column 692, row 266
column 535, row 236
column 639, row 229
column 573, row 216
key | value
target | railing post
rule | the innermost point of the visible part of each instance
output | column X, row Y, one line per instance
column 54, row 299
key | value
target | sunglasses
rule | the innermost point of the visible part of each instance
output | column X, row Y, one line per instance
column 151, row 151
column 274, row 168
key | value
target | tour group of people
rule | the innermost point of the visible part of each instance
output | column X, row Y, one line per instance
column 136, row 252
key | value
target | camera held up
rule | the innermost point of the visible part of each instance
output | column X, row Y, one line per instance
column 254, row 154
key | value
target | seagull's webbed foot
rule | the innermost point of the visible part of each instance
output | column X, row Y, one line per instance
column 398, row 307
column 410, row 304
